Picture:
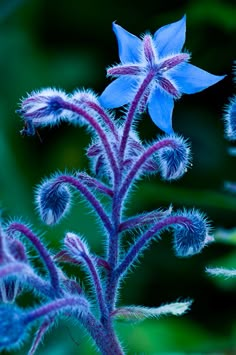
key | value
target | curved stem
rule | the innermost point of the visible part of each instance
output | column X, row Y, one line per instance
column 42, row 251
column 143, row 219
column 40, row 333
column 97, row 108
column 132, row 110
column 76, row 303
column 95, row 124
column 93, row 182
column 89, row 196
column 12, row 269
column 105, row 339
column 145, row 238
column 141, row 161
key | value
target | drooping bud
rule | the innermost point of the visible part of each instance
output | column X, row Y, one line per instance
column 75, row 245
column 42, row 108
column 191, row 236
column 53, row 201
column 174, row 160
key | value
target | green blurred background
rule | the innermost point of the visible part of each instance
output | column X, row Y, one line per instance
column 68, row 44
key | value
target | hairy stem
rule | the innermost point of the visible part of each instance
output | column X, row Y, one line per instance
column 46, row 257
column 145, row 238
column 95, row 183
column 132, row 110
column 97, row 108
column 89, row 197
column 97, row 284
column 104, row 338
column 95, row 124
column 134, row 171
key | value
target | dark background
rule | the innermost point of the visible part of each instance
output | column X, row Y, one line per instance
column 68, row 44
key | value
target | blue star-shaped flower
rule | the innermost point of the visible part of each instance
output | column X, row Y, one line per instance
column 161, row 57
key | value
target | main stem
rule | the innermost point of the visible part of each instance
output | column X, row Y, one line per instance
column 118, row 200
column 132, row 111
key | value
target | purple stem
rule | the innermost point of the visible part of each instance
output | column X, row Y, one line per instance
column 142, row 220
column 113, row 249
column 11, row 269
column 105, row 338
column 97, row 284
column 40, row 333
column 104, row 116
column 34, row 281
column 132, row 110
column 95, row 124
column 42, row 251
column 117, row 202
column 93, row 182
column 89, row 196
column 142, row 160
column 57, row 305
column 145, row 238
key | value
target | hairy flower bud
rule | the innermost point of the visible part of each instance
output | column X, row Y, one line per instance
column 12, row 330
column 230, row 119
column 42, row 108
column 174, row 160
column 53, row 201
column 75, row 245
column 191, row 237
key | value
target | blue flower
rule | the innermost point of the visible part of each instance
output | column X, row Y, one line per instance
column 162, row 57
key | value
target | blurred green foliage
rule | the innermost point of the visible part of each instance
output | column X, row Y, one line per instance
column 68, row 44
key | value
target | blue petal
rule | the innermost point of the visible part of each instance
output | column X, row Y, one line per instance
column 170, row 39
column 160, row 107
column 191, row 79
column 128, row 44
column 120, row 92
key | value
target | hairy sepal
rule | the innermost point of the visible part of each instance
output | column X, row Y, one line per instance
column 140, row 313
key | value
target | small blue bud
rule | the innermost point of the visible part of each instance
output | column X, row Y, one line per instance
column 53, row 201
column 230, row 119
column 192, row 236
column 174, row 161
column 13, row 327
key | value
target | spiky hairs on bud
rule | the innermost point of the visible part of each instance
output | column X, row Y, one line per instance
column 42, row 108
column 191, row 236
column 75, row 245
column 53, row 201
column 174, row 161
